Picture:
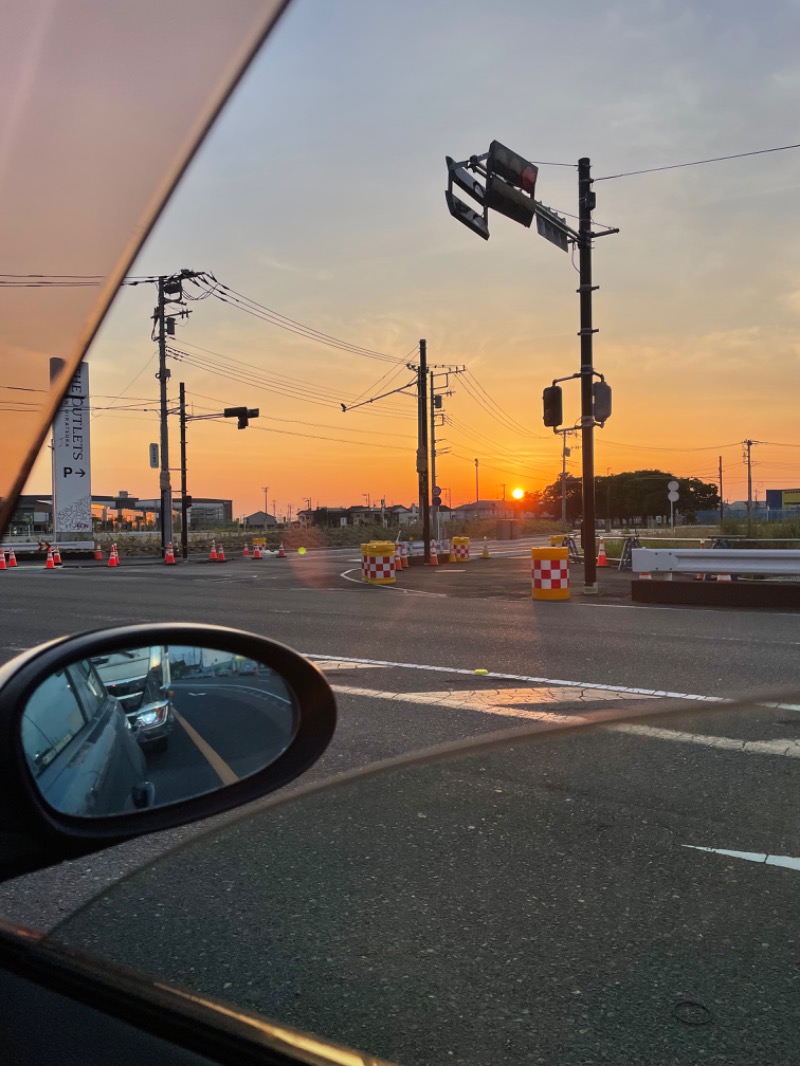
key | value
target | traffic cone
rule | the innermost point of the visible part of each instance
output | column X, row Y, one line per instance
column 256, row 552
column 406, row 563
column 98, row 553
column 169, row 558
column 246, row 552
column 724, row 577
column 485, row 552
column 645, row 577
column 434, row 554
column 221, row 554
column 212, row 555
column 49, row 565
column 56, row 556
column 112, row 556
column 12, row 559
column 601, row 555
column 281, row 551
column 451, row 558
column 3, row 560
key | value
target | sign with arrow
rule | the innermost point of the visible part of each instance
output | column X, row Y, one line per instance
column 72, row 480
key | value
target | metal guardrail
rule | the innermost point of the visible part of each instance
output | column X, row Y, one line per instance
column 716, row 561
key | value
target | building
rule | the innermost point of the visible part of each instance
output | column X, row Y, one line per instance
column 34, row 514
column 260, row 520
column 483, row 509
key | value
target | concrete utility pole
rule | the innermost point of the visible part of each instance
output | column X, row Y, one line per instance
column 477, row 493
column 586, row 201
column 748, row 446
column 721, row 498
column 164, row 483
column 184, row 508
column 423, row 466
column 265, row 490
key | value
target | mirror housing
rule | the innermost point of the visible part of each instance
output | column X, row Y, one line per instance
column 34, row 835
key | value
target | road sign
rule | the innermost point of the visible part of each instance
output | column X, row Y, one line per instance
column 437, row 491
column 72, row 481
column 551, row 232
column 673, row 497
column 154, row 457
column 673, row 486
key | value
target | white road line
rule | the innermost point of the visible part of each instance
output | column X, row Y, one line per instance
column 789, row 748
column 388, row 588
column 787, row 861
column 452, row 700
column 549, row 681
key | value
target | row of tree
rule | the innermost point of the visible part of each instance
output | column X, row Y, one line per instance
column 633, row 496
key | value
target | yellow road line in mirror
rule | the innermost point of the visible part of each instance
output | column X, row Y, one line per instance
column 215, row 761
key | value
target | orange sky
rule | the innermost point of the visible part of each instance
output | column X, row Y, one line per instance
column 324, row 203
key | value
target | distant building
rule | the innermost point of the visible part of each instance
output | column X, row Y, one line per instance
column 483, row 509
column 260, row 520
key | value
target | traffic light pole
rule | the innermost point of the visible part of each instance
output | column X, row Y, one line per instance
column 165, row 485
column 586, row 199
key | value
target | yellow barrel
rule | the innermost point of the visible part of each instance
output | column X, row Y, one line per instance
column 378, row 562
column 461, row 549
column 556, row 540
column 550, row 573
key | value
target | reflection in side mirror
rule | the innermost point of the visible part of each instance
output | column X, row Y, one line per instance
column 150, row 726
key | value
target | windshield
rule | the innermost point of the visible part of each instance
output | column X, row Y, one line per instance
column 463, row 360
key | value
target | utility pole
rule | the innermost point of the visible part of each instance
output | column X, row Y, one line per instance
column 163, row 377
column 721, row 498
column 586, row 201
column 564, row 454
column 477, row 493
column 748, row 445
column 432, row 450
column 265, row 490
column 184, row 508
column 423, row 467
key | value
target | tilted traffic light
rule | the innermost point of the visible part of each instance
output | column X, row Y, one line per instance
column 457, row 175
column 601, row 395
column 510, row 184
column 553, row 406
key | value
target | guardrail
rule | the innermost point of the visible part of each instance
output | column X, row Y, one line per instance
column 716, row 561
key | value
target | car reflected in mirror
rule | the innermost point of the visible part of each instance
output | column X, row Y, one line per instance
column 151, row 726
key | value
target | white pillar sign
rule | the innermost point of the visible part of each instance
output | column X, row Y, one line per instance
column 72, row 478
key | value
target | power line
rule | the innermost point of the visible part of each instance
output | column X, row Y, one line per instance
column 697, row 162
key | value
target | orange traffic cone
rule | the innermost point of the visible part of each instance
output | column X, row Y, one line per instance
column 256, row 552
column 281, row 551
column 3, row 559
column 212, row 555
column 404, row 563
column 221, row 554
column 12, row 559
column 49, row 565
column 246, row 552
column 434, row 554
column 98, row 552
column 56, row 556
column 601, row 555
column 169, row 558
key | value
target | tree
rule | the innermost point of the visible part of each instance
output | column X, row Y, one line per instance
column 641, row 494
column 551, row 499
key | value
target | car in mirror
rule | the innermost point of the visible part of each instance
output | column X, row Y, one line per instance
column 112, row 734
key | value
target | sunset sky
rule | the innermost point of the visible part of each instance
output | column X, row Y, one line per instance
column 319, row 195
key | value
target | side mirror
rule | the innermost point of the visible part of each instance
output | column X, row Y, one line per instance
column 109, row 735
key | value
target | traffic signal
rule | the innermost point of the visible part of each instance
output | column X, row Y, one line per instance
column 601, row 394
column 244, row 414
column 553, row 406
column 187, row 502
column 510, row 184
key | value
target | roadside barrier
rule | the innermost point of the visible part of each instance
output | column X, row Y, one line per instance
column 460, row 550
column 377, row 563
column 550, row 573
column 724, row 562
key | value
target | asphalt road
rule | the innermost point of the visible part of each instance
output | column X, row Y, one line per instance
column 541, row 906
